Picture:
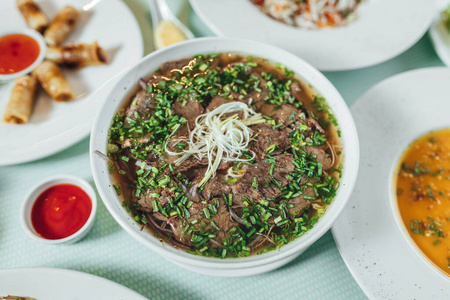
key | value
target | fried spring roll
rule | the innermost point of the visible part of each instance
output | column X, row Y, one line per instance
column 61, row 26
column 33, row 15
column 53, row 82
column 18, row 109
column 76, row 56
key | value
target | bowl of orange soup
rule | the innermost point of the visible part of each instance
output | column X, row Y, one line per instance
column 421, row 197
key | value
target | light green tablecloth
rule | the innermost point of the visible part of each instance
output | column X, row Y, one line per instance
column 109, row 252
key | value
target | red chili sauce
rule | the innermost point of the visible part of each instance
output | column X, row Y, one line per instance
column 60, row 211
column 17, row 52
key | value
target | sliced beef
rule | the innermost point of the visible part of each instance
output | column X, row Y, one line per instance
column 261, row 171
column 287, row 114
column 146, row 201
column 216, row 187
column 159, row 216
column 321, row 156
column 167, row 67
column 224, row 221
column 143, row 103
column 243, row 189
column 216, row 102
column 191, row 110
column 257, row 96
column 266, row 136
column 296, row 91
column 171, row 144
column 190, row 162
column 177, row 225
column 131, row 142
column 314, row 124
column 300, row 202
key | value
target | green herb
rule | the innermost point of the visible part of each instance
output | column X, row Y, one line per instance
column 416, row 227
column 271, row 148
column 180, row 146
column 117, row 189
column 429, row 192
column 255, row 183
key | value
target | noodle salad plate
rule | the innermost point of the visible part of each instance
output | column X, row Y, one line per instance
column 54, row 126
column 375, row 30
column 60, row 284
column 369, row 233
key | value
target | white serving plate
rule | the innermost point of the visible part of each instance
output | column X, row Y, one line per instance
column 55, row 126
column 374, row 247
column 383, row 29
column 61, row 284
column 213, row 266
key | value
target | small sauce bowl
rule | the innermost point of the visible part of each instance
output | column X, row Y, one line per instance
column 33, row 200
column 28, row 43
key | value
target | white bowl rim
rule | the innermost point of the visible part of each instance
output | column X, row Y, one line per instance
column 40, row 187
column 42, row 49
column 349, row 138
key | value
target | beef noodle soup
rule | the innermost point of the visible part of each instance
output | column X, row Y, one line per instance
column 225, row 155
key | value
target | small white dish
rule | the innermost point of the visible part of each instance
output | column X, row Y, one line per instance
column 55, row 126
column 374, row 246
column 440, row 36
column 42, row 48
column 38, row 189
column 383, row 29
column 230, row 267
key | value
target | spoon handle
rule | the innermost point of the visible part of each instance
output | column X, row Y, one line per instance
column 161, row 11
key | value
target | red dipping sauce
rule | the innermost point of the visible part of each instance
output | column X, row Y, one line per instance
column 60, row 211
column 17, row 52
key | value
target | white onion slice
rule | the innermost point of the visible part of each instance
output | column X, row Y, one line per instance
column 220, row 135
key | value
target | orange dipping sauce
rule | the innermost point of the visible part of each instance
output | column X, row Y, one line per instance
column 17, row 52
column 60, row 211
column 423, row 195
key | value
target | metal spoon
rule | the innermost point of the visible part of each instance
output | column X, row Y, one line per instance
column 167, row 29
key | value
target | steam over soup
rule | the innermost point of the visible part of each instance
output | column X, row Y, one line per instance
column 225, row 155
column 423, row 195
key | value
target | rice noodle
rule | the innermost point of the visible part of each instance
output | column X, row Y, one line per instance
column 218, row 137
column 333, row 155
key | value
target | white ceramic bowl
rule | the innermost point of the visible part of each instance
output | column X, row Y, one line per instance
column 213, row 266
column 42, row 49
column 38, row 189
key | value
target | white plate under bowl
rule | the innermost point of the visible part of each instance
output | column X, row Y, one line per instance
column 61, row 284
column 55, row 126
column 214, row 266
column 388, row 117
column 383, row 29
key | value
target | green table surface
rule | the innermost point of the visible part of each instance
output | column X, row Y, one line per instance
column 108, row 251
